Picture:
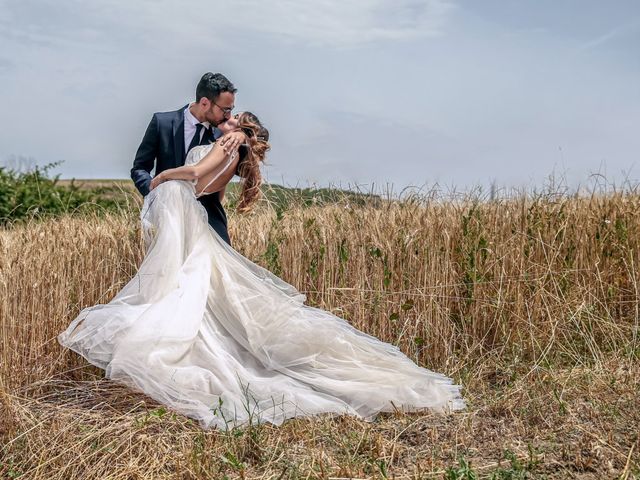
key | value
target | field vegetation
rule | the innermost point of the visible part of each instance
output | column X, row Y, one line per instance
column 530, row 300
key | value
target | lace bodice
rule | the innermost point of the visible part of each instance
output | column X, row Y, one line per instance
column 196, row 154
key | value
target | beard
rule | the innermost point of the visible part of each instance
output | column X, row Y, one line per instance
column 211, row 118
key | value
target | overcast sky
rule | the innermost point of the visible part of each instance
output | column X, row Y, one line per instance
column 402, row 92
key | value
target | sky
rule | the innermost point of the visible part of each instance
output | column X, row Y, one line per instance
column 360, row 94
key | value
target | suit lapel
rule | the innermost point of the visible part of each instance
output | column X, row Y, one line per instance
column 178, row 137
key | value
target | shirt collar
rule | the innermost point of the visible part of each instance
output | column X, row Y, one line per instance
column 188, row 116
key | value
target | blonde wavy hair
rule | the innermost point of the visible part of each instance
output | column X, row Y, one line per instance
column 250, row 159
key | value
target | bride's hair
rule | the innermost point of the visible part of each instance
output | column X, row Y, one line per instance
column 250, row 159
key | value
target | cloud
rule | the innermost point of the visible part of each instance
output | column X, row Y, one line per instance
column 330, row 23
column 6, row 65
column 618, row 31
column 353, row 147
column 341, row 24
column 67, row 23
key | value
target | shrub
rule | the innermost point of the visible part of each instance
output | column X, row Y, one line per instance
column 33, row 193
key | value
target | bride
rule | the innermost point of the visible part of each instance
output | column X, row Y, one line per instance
column 210, row 334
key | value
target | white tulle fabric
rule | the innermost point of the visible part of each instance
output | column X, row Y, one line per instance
column 210, row 334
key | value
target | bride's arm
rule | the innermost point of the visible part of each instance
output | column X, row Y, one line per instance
column 179, row 173
column 209, row 163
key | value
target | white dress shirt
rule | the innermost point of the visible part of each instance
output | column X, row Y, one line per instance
column 190, row 123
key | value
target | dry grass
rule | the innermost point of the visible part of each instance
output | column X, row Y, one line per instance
column 531, row 303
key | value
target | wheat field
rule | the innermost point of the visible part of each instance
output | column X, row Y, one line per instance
column 531, row 302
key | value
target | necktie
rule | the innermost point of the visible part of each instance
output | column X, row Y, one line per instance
column 207, row 136
column 196, row 137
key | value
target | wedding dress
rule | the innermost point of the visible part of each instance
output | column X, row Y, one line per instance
column 213, row 336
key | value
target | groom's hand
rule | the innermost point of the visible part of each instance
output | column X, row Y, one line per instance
column 232, row 140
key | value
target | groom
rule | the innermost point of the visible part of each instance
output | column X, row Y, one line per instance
column 170, row 136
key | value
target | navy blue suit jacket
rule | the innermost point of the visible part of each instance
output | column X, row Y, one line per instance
column 163, row 145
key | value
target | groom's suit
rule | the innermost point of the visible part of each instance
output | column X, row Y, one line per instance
column 164, row 144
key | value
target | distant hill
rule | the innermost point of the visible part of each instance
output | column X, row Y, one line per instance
column 280, row 197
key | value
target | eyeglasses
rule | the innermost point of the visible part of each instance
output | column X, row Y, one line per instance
column 225, row 111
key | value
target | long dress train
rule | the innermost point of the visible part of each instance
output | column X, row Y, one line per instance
column 205, row 331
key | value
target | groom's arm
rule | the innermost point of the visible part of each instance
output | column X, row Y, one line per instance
column 145, row 158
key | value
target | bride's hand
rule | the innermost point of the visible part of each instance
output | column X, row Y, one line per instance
column 157, row 180
column 232, row 140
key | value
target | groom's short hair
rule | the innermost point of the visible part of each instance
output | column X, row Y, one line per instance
column 211, row 85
